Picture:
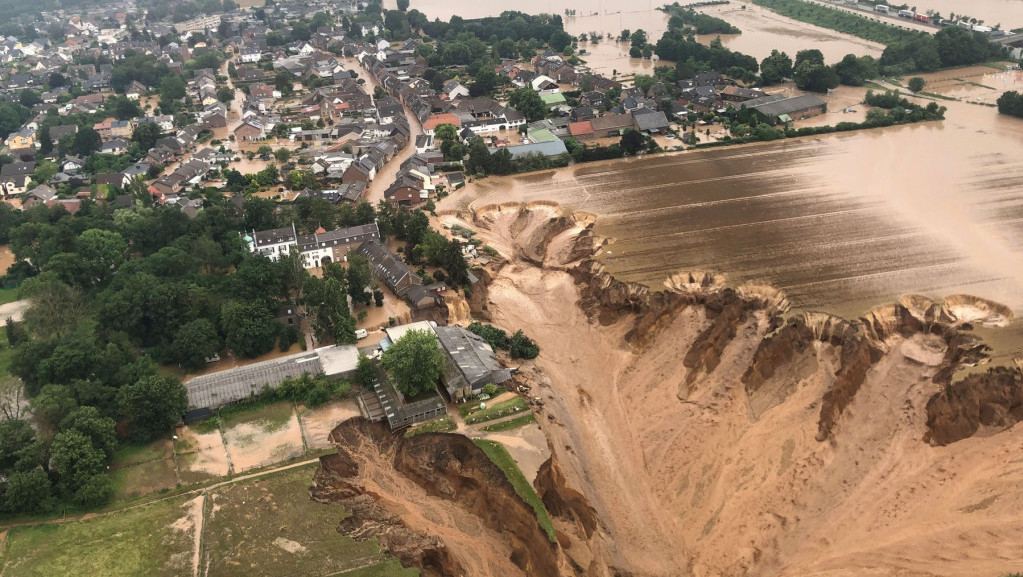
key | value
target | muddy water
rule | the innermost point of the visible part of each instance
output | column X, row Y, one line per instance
column 841, row 223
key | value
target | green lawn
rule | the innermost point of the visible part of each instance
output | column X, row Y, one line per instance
column 473, row 414
column 270, row 417
column 8, row 296
column 140, row 541
column 500, row 456
column 255, row 523
column 441, row 425
column 266, row 526
column 511, row 423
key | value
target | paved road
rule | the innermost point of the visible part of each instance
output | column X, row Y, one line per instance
column 15, row 310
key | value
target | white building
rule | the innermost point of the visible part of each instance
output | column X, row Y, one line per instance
column 316, row 249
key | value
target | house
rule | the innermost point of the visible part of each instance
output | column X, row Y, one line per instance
column 38, row 195
column 115, row 146
column 470, row 363
column 740, row 94
column 650, row 121
column 25, row 138
column 58, row 132
column 787, row 109
column 544, row 84
column 72, row 163
column 324, row 247
column 251, row 129
column 14, row 184
column 581, row 130
column 612, row 125
column 551, row 148
column 387, row 267
column 135, row 90
column 274, row 243
column 436, row 120
column 424, row 142
column 454, row 89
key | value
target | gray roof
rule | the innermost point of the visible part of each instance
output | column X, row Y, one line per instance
column 776, row 108
column 385, row 264
column 223, row 387
column 275, row 236
column 551, row 148
column 651, row 121
column 340, row 236
column 471, row 360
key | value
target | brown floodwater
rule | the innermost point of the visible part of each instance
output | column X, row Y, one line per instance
column 841, row 222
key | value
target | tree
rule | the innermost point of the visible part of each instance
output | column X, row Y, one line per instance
column 1011, row 103
column 854, row 71
column 811, row 55
column 632, row 142
column 15, row 436
column 146, row 134
column 248, row 328
column 814, row 77
column 195, row 342
column 101, row 252
column 152, row 406
column 53, row 403
column 28, row 492
column 529, row 103
column 365, row 372
column 414, row 362
column 89, row 422
column 86, row 141
column 76, row 460
column 484, row 83
column 775, row 68
column 359, row 277
column 328, row 302
column 172, row 87
column 523, row 347
column 403, row 5
column 916, row 84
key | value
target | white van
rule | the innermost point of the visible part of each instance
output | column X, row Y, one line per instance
column 361, row 333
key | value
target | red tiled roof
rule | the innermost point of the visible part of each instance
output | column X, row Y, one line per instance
column 577, row 128
column 438, row 119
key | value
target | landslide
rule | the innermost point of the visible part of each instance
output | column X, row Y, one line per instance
column 435, row 500
column 710, row 435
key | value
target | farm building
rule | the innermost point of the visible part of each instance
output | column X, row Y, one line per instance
column 778, row 110
column 214, row 390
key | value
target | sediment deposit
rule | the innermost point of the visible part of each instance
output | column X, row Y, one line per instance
column 700, row 430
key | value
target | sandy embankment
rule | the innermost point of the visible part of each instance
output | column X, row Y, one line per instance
column 687, row 478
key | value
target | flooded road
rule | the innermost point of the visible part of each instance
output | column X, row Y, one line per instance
column 841, row 223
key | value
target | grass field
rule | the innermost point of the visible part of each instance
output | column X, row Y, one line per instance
column 473, row 414
column 140, row 541
column 270, row 527
column 500, row 456
column 511, row 424
column 441, row 425
column 266, row 526
column 8, row 295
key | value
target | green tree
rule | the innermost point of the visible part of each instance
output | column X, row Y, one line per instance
column 53, row 403
column 403, row 5
column 282, row 155
column 414, row 362
column 28, row 492
column 76, row 460
column 248, row 328
column 152, row 406
column 99, row 429
column 15, row 436
column 195, row 342
column 146, row 134
column 485, row 82
column 172, row 87
column 529, row 103
column 632, row 141
column 359, row 277
column 101, row 252
column 814, row 77
column 365, row 371
column 775, row 68
column 811, row 55
column 523, row 347
column 86, row 141
column 853, row 71
column 916, row 84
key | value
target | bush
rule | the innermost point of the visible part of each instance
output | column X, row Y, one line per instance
column 523, row 347
column 490, row 389
column 318, row 395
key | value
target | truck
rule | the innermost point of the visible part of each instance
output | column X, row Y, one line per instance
column 906, row 13
column 922, row 18
column 883, row 8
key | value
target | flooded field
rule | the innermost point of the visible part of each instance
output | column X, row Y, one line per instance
column 842, row 223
